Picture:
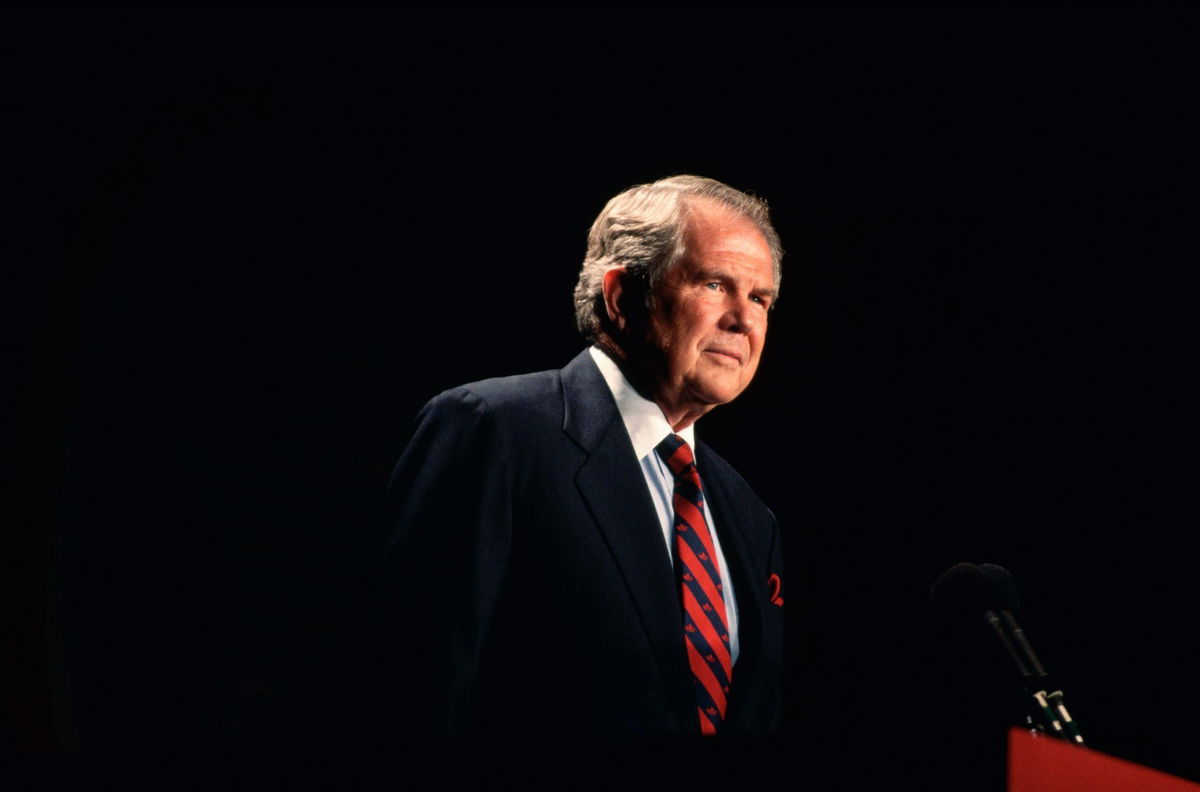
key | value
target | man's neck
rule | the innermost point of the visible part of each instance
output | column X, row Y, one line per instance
column 679, row 418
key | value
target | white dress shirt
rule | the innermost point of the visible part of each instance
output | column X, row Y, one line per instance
column 647, row 427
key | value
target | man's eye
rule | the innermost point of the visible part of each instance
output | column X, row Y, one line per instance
column 714, row 285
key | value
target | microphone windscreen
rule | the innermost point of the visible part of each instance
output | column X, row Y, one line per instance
column 1001, row 586
column 961, row 591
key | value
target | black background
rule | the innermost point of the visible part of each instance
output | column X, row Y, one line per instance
column 244, row 245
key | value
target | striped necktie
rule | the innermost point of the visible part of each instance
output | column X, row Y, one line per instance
column 705, row 624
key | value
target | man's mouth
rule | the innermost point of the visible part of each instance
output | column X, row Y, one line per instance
column 729, row 353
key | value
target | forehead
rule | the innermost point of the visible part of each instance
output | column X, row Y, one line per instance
column 717, row 235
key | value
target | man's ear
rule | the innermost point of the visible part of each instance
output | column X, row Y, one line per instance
column 615, row 298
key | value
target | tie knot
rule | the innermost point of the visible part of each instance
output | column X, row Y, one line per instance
column 675, row 451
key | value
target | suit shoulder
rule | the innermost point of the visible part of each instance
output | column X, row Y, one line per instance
column 711, row 463
column 487, row 417
column 514, row 397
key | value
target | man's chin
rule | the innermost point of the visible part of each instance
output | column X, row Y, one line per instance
column 715, row 394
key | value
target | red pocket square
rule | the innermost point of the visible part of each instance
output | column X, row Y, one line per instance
column 774, row 585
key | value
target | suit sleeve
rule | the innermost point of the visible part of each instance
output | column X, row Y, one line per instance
column 447, row 523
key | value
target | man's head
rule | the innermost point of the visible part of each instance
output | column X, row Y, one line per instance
column 676, row 284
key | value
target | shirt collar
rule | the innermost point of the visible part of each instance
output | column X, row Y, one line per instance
column 643, row 419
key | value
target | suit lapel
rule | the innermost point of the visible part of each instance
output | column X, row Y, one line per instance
column 612, row 485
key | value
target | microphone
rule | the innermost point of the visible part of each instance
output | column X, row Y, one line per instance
column 966, row 590
column 1004, row 595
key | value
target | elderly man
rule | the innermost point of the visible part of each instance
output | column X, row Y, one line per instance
column 565, row 557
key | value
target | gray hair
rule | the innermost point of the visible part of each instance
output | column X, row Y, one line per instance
column 643, row 230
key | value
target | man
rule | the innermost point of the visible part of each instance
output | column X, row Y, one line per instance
column 558, row 563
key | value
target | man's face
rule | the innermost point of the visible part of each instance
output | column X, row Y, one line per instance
column 709, row 321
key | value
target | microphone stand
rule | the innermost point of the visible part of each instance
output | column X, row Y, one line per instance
column 1051, row 706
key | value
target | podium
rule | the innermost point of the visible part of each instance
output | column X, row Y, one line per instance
column 1047, row 764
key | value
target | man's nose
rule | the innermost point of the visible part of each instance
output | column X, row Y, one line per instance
column 741, row 315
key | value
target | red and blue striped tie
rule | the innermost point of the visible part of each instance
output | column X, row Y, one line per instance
column 705, row 624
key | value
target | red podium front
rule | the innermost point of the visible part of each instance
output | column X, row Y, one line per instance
column 1047, row 764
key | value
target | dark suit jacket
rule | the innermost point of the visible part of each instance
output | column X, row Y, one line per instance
column 527, row 588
